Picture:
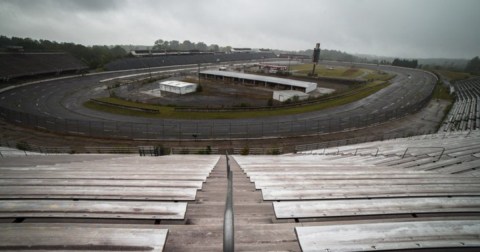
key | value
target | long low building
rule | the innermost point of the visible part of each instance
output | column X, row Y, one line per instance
column 267, row 81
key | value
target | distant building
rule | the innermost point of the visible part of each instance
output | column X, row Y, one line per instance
column 242, row 50
column 272, row 68
column 259, row 80
column 294, row 56
column 283, row 95
column 178, row 87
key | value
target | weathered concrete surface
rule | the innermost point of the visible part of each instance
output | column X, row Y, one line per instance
column 255, row 225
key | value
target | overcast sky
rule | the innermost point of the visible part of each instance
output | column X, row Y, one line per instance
column 399, row 28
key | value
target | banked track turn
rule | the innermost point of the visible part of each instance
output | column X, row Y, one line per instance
column 57, row 105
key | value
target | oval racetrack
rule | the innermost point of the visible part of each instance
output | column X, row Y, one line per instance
column 56, row 105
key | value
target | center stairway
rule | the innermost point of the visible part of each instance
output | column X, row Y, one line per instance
column 255, row 225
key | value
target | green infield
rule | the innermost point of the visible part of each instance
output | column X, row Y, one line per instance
column 123, row 107
column 454, row 75
column 331, row 71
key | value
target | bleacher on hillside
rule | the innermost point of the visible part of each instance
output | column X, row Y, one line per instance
column 15, row 65
column 465, row 113
column 172, row 60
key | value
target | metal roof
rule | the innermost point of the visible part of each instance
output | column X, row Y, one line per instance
column 179, row 84
column 288, row 82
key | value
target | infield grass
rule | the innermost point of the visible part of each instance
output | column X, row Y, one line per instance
column 170, row 112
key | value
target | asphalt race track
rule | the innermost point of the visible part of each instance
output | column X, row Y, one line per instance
column 56, row 105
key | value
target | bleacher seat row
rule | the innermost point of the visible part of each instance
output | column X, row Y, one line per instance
column 44, row 191
column 465, row 113
column 420, row 192
column 413, row 193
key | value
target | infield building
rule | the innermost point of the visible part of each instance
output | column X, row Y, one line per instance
column 259, row 80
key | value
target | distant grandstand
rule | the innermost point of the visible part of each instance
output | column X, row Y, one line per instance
column 153, row 53
column 465, row 113
column 17, row 65
column 184, row 59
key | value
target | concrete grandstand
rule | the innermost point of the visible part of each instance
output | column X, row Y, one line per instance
column 16, row 65
column 322, row 198
column 362, row 197
column 175, row 60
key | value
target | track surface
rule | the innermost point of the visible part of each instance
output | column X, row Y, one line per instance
column 57, row 105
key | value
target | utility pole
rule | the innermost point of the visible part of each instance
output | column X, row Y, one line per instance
column 289, row 59
column 198, row 73
column 316, row 57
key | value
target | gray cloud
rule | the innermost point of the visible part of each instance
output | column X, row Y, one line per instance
column 55, row 5
column 406, row 28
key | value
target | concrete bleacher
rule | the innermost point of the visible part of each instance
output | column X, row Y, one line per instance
column 173, row 60
column 458, row 234
column 421, row 192
column 15, row 65
column 385, row 195
column 442, row 152
column 12, row 152
column 465, row 112
column 72, row 198
column 80, row 237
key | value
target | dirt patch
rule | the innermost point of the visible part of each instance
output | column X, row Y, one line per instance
column 216, row 94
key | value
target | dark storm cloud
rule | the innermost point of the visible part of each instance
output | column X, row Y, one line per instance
column 404, row 28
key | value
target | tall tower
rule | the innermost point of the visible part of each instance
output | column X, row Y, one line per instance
column 316, row 57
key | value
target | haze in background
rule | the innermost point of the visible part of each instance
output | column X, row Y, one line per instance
column 395, row 28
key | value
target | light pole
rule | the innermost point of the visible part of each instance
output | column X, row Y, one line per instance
column 289, row 59
column 316, row 57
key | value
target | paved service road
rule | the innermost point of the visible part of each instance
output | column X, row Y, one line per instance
column 56, row 105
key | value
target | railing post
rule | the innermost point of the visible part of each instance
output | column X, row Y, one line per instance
column 228, row 221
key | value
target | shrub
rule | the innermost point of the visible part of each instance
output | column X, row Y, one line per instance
column 270, row 102
column 23, row 146
column 160, row 150
column 245, row 151
column 206, row 151
column 274, row 151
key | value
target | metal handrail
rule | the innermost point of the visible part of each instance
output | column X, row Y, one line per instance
column 228, row 221
column 366, row 148
column 441, row 154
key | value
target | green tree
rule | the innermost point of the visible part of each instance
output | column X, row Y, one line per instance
column 201, row 46
column 158, row 45
column 187, row 46
column 174, row 45
column 473, row 66
column 213, row 48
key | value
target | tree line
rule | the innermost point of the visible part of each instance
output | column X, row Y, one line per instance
column 187, row 45
column 473, row 66
column 93, row 56
column 405, row 63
